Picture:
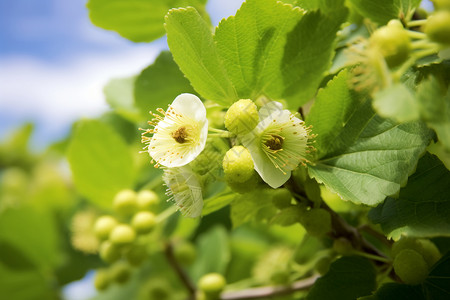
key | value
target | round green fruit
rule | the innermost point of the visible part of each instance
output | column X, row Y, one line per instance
column 109, row 252
column 122, row 235
column 102, row 280
column 410, row 267
column 441, row 4
column 282, row 198
column 125, row 202
column 393, row 42
column 120, row 272
column 323, row 264
column 342, row 246
column 136, row 255
column 103, row 226
column 212, row 284
column 144, row 222
column 430, row 252
column 437, row 27
column 242, row 117
column 238, row 165
column 185, row 253
column 317, row 222
column 147, row 200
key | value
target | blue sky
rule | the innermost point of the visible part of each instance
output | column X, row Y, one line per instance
column 54, row 63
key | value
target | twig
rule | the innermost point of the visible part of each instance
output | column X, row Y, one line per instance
column 270, row 291
column 184, row 278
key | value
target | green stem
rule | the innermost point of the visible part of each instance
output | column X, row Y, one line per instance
column 217, row 130
column 416, row 23
column 416, row 34
column 166, row 213
column 222, row 135
column 373, row 257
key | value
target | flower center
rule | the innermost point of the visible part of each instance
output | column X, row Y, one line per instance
column 275, row 143
column 180, row 135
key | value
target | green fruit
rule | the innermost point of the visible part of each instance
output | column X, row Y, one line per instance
column 437, row 27
column 136, row 255
column 185, row 253
column 238, row 165
column 430, row 252
column 122, row 235
column 212, row 285
column 147, row 200
column 317, row 222
column 282, row 198
column 441, row 4
column 246, row 186
column 125, row 202
column 242, row 117
column 323, row 264
column 120, row 272
column 144, row 222
column 109, row 252
column 102, row 279
column 392, row 42
column 103, row 226
column 405, row 243
column 410, row 267
column 343, row 246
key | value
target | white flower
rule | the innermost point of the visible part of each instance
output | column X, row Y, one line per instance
column 179, row 134
column 278, row 144
column 184, row 189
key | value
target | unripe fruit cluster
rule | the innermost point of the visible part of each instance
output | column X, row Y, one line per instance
column 119, row 240
column 413, row 259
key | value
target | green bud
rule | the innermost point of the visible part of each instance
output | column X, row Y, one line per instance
column 323, row 264
column 317, row 221
column 102, row 280
column 122, row 235
column 246, row 186
column 103, row 226
column 212, row 285
column 238, row 165
column 282, row 198
column 410, row 267
column 147, row 200
column 437, row 27
column 136, row 255
column 242, row 117
column 143, row 222
column 120, row 272
column 342, row 246
column 424, row 247
column 441, row 4
column 125, row 202
column 393, row 42
column 109, row 252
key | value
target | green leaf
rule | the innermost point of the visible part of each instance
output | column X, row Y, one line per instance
column 217, row 202
column 349, row 277
column 307, row 56
column 251, row 44
column 101, row 162
column 397, row 291
column 287, row 216
column 398, row 103
column 159, row 84
column 119, row 95
column 33, row 232
column 423, row 206
column 437, row 284
column 362, row 157
column 191, row 43
column 382, row 11
column 213, row 253
column 136, row 20
column 324, row 5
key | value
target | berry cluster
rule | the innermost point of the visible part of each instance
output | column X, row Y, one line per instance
column 120, row 236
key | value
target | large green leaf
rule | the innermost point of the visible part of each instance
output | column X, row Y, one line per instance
column 349, row 277
column 159, row 84
column 397, row 291
column 423, row 206
column 136, row 20
column 324, row 5
column 381, row 11
column 251, row 44
column 191, row 43
column 437, row 284
column 363, row 157
column 119, row 95
column 307, row 56
column 101, row 162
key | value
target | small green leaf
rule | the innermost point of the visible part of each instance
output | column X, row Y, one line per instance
column 423, row 206
column 252, row 42
column 213, row 253
column 119, row 95
column 191, row 43
column 382, row 11
column 397, row 102
column 101, row 162
column 217, row 202
column 349, row 277
column 136, row 20
column 159, row 84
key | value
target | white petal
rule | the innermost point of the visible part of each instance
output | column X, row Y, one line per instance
column 190, row 106
column 270, row 108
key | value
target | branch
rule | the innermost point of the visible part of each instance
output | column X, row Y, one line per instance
column 270, row 291
column 184, row 278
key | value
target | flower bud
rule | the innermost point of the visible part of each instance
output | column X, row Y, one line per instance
column 242, row 117
column 238, row 165
column 437, row 27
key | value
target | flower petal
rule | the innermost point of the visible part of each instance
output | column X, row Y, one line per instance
column 190, row 106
